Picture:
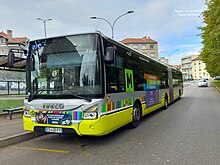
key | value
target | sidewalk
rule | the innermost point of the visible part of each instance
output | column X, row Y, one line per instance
column 11, row 131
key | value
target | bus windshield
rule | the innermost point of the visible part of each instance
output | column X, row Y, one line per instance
column 65, row 67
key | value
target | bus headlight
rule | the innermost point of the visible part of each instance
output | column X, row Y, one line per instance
column 90, row 115
column 27, row 114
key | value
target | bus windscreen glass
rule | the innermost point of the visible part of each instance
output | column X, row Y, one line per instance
column 66, row 67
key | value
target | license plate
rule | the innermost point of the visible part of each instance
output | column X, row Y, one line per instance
column 53, row 130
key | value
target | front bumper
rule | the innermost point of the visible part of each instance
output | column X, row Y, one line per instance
column 85, row 127
column 203, row 85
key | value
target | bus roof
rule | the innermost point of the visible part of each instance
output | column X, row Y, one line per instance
column 66, row 36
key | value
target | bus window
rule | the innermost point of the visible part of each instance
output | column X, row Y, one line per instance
column 115, row 78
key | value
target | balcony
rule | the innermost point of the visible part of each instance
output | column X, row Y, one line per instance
column 186, row 62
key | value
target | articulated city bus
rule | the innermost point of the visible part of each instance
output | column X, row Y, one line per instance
column 90, row 84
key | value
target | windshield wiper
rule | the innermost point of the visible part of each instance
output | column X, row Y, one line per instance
column 81, row 97
column 37, row 93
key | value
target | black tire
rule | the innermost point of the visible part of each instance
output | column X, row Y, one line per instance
column 136, row 116
column 179, row 95
column 165, row 106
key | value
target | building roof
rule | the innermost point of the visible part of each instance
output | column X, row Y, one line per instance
column 176, row 66
column 138, row 40
column 15, row 39
column 19, row 40
column 196, row 58
column 3, row 34
column 189, row 56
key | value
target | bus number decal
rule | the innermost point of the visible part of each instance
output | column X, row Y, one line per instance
column 129, row 80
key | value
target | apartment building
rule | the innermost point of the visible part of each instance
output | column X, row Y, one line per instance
column 198, row 69
column 163, row 60
column 145, row 45
column 186, row 65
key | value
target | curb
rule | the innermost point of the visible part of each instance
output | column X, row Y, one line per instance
column 18, row 138
column 216, row 88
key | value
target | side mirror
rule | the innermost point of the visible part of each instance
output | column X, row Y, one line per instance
column 11, row 56
column 110, row 55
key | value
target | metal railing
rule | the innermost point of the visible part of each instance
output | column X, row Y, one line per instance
column 12, row 87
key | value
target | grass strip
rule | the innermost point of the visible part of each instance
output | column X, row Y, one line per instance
column 6, row 104
column 216, row 83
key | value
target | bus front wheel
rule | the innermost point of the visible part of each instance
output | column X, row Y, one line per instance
column 136, row 116
column 165, row 103
column 179, row 94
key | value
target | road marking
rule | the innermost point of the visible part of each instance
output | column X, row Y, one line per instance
column 83, row 151
column 49, row 150
column 43, row 149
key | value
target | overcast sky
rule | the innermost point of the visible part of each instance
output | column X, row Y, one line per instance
column 172, row 23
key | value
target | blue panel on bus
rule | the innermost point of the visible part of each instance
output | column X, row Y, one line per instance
column 148, row 87
column 152, row 97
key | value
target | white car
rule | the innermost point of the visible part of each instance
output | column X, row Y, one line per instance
column 202, row 83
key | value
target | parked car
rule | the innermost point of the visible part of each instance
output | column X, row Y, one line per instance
column 217, row 78
column 202, row 83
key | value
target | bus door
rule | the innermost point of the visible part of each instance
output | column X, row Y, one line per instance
column 170, row 79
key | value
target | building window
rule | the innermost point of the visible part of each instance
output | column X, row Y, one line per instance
column 152, row 55
column 1, row 41
column 144, row 46
column 2, row 52
column 151, row 46
column 135, row 46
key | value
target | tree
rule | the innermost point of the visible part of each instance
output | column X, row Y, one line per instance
column 211, row 37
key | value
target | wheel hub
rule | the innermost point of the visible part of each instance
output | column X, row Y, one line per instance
column 136, row 114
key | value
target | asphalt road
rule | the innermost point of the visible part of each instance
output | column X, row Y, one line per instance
column 187, row 133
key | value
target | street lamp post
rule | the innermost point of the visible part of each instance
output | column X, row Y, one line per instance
column 112, row 25
column 169, row 54
column 44, row 21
